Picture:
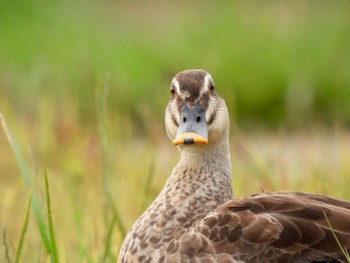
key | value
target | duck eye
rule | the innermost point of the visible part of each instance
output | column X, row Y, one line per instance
column 172, row 91
column 211, row 87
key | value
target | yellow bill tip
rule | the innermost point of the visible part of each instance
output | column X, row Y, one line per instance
column 190, row 138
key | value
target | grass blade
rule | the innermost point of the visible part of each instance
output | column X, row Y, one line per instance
column 149, row 179
column 102, row 96
column 118, row 218
column 107, row 161
column 120, row 224
column 26, row 176
column 109, row 238
column 259, row 162
column 54, row 251
column 24, row 228
column 345, row 253
column 7, row 251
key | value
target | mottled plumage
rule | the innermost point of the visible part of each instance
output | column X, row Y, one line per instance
column 196, row 219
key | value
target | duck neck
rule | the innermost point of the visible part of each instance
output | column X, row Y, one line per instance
column 204, row 174
column 215, row 156
column 199, row 183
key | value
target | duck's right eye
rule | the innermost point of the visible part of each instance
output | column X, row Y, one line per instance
column 172, row 91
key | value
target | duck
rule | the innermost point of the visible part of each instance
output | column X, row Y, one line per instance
column 195, row 217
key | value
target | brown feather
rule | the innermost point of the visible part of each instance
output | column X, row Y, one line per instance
column 196, row 219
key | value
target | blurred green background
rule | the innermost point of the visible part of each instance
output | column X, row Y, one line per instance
column 84, row 85
column 282, row 62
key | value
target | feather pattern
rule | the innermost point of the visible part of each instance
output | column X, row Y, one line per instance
column 196, row 219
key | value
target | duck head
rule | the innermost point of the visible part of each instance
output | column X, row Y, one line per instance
column 195, row 114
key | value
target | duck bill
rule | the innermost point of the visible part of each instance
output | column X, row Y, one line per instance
column 190, row 138
column 193, row 127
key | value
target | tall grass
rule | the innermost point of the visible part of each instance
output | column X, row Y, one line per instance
column 296, row 161
column 107, row 160
column 53, row 245
column 46, row 232
column 24, row 228
column 27, row 179
column 6, row 246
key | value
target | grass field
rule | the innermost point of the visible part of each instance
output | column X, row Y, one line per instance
column 315, row 161
column 83, row 87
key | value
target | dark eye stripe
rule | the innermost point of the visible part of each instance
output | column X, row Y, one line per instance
column 211, row 118
column 174, row 120
column 205, row 100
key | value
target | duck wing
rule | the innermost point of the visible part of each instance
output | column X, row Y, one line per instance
column 269, row 227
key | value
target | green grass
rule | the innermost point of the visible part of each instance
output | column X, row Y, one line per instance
column 24, row 229
column 84, row 85
column 53, row 251
column 46, row 230
column 342, row 248
column 27, row 179
column 313, row 161
column 112, row 215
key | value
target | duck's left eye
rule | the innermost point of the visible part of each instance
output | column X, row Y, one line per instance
column 211, row 87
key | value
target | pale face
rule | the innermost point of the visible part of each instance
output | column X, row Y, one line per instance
column 195, row 112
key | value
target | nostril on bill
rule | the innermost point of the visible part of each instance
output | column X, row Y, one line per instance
column 198, row 119
column 189, row 141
